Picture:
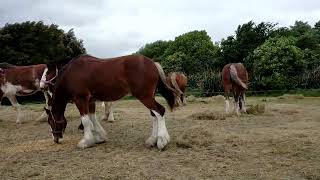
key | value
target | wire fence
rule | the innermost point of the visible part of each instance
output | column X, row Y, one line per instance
column 305, row 92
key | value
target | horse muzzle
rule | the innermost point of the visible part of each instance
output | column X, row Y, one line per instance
column 57, row 137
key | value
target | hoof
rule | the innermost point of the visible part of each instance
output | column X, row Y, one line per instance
column 163, row 141
column 100, row 139
column 150, row 142
column 86, row 143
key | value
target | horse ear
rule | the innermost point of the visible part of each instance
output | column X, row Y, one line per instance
column 47, row 110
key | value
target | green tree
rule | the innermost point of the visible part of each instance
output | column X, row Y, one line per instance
column 277, row 64
column 34, row 42
column 196, row 51
column 154, row 50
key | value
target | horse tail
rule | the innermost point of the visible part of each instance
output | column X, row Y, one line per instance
column 234, row 77
column 175, row 84
column 170, row 94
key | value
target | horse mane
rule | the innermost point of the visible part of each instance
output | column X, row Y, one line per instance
column 6, row 65
column 62, row 65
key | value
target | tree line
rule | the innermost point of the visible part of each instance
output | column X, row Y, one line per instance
column 276, row 57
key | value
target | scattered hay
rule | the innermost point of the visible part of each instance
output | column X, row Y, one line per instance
column 208, row 115
column 256, row 109
column 289, row 111
column 291, row 96
column 196, row 136
column 191, row 98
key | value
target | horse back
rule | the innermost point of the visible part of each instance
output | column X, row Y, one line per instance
column 108, row 79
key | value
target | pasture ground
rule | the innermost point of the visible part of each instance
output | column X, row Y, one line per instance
column 281, row 143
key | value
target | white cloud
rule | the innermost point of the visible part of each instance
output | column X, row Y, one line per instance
column 118, row 27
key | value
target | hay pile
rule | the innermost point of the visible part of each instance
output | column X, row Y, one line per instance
column 256, row 109
column 291, row 96
column 196, row 136
column 208, row 115
column 206, row 100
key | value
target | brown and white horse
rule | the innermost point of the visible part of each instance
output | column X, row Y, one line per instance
column 20, row 81
column 175, row 80
column 86, row 79
column 235, row 79
column 178, row 81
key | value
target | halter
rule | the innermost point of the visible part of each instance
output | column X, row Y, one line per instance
column 56, row 122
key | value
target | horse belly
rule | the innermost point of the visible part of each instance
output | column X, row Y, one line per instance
column 110, row 93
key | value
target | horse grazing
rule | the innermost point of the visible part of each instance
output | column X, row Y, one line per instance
column 86, row 79
column 235, row 79
column 20, row 81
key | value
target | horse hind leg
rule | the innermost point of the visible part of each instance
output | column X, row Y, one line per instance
column 236, row 103
column 100, row 133
column 242, row 103
column 227, row 102
column 159, row 135
column 108, row 112
column 16, row 105
column 88, row 139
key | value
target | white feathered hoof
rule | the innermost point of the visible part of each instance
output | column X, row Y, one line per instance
column 150, row 142
column 86, row 143
column 100, row 138
column 163, row 141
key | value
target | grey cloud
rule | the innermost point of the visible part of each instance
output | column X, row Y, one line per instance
column 117, row 27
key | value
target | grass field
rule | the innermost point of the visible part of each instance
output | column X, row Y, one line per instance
column 281, row 143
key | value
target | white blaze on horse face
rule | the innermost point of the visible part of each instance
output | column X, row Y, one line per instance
column 88, row 139
column 43, row 78
column 163, row 135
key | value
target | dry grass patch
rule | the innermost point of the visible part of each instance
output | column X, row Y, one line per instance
column 195, row 136
column 291, row 96
column 209, row 115
column 256, row 109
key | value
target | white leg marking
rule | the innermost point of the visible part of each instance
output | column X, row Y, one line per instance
column 227, row 104
column 108, row 112
column 100, row 133
column 152, row 140
column 16, row 105
column 88, row 140
column 163, row 135
column 236, row 108
column 44, row 114
column 243, row 102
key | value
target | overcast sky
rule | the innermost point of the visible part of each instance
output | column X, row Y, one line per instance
column 118, row 27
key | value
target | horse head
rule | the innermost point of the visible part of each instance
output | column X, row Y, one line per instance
column 57, row 125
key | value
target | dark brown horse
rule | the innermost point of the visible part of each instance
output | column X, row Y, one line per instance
column 20, row 81
column 235, row 79
column 86, row 79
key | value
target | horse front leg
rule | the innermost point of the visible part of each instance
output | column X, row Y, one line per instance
column 100, row 133
column 16, row 105
column 88, row 139
column 44, row 114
